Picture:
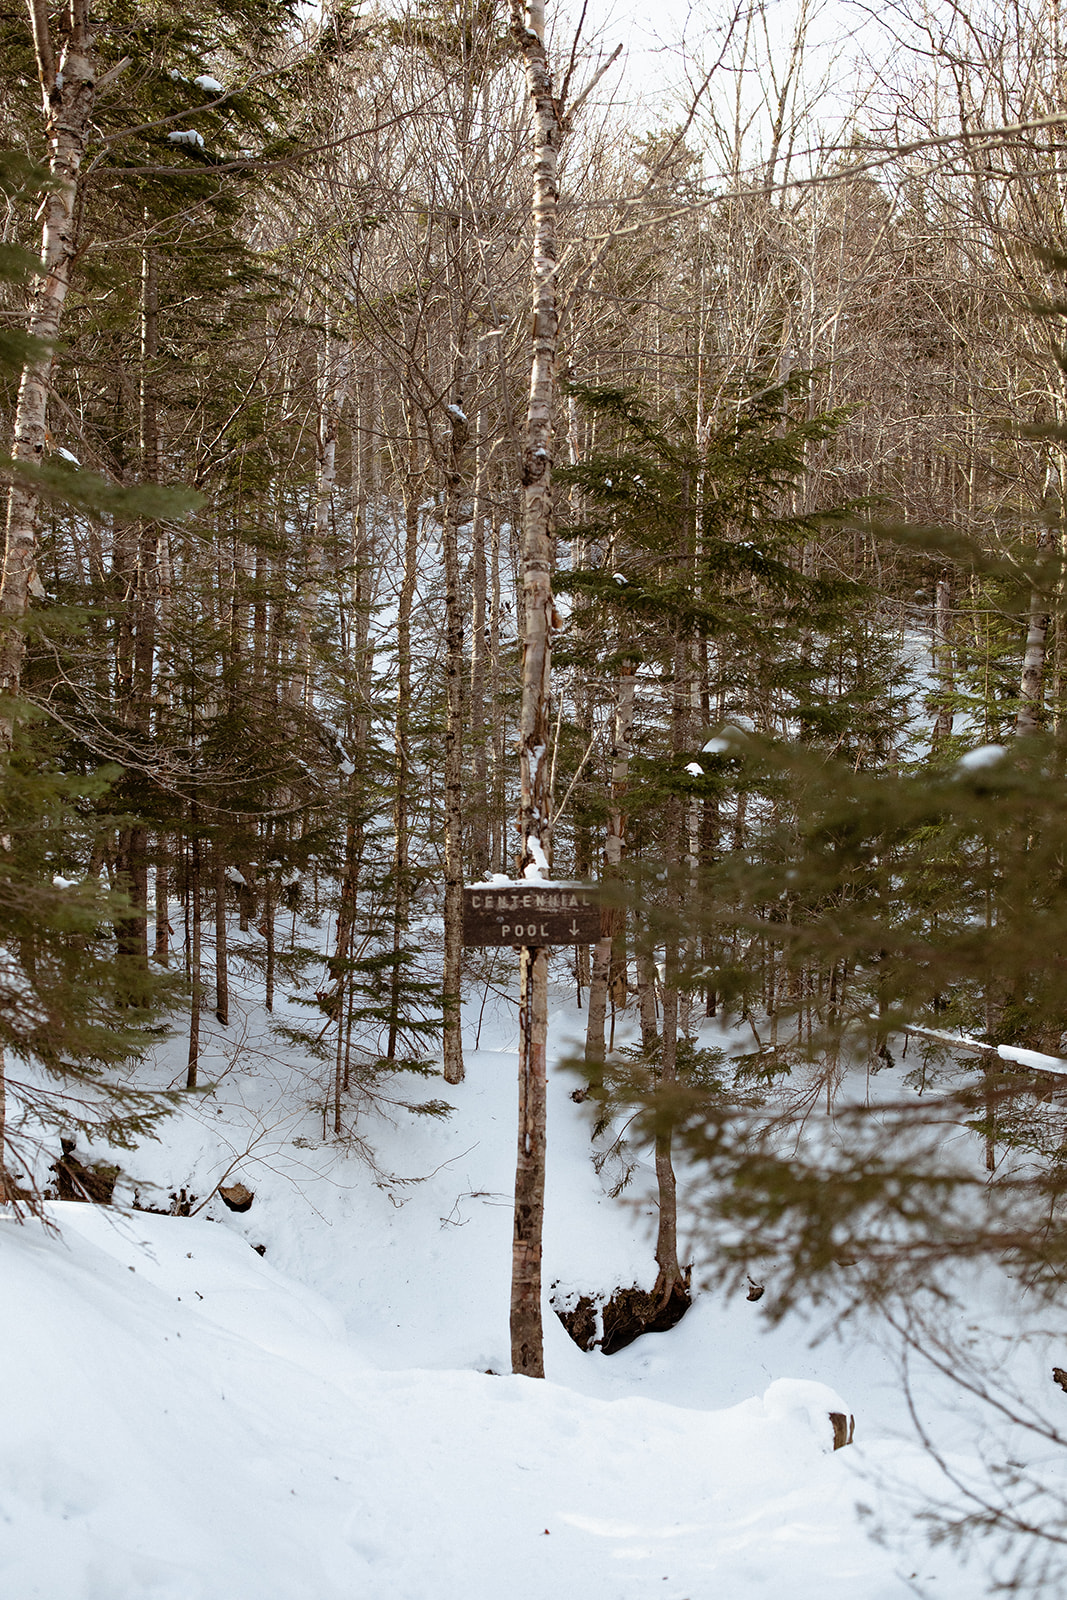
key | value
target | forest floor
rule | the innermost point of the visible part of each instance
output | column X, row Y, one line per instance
column 187, row 1419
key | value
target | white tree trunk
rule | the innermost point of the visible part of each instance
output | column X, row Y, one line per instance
column 480, row 855
column 68, row 102
column 331, row 400
column 453, row 951
column 527, row 1352
column 946, row 679
column 1030, row 718
column 537, row 542
column 671, row 1281
column 402, row 728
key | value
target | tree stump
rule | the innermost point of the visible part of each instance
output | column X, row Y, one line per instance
column 844, row 1429
column 237, row 1196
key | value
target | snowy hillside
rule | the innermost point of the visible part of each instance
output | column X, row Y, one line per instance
column 188, row 1424
column 187, row 1419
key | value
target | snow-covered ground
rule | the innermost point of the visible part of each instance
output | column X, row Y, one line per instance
column 186, row 1419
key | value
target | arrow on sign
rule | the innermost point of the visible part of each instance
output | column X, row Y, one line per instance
column 575, row 930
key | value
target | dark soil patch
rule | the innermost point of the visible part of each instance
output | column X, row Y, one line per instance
column 631, row 1312
column 78, row 1180
column 181, row 1205
column 580, row 1321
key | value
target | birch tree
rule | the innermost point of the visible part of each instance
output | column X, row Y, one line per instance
column 68, row 88
column 527, row 1354
column 538, row 619
column 453, row 953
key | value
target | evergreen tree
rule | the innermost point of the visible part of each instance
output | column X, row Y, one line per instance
column 696, row 544
column 72, row 1011
column 71, row 1007
column 903, row 908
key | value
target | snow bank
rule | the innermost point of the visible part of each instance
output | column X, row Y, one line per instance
column 187, row 1420
column 182, row 1423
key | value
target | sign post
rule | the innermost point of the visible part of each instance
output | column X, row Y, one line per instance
column 530, row 914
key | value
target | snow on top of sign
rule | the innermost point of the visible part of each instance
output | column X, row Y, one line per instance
column 497, row 880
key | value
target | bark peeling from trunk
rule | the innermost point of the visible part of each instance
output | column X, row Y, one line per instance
column 538, row 611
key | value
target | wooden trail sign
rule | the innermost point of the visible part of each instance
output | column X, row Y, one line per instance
column 530, row 913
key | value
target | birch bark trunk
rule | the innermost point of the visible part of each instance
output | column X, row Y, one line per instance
column 163, row 929
column 268, row 937
column 401, row 737
column 136, row 568
column 480, row 856
column 943, row 659
column 1030, row 718
column 222, row 973
column 671, row 1281
column 68, row 92
column 497, row 818
column 7, row 1188
column 154, row 556
column 259, row 617
column 196, row 984
column 527, row 1351
column 148, row 544
column 331, row 398
column 136, row 561
column 453, row 952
